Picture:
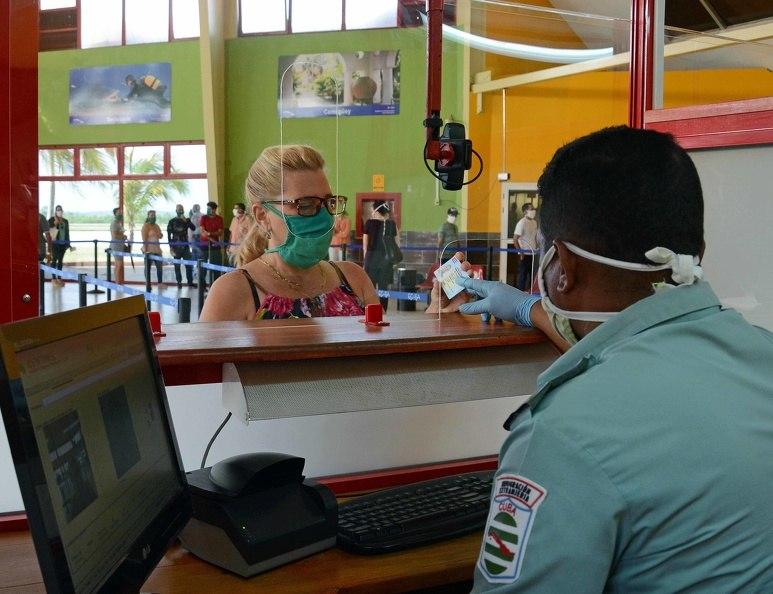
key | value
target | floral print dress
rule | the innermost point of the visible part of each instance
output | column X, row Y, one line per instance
column 341, row 301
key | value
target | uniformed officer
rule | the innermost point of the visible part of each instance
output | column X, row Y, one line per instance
column 644, row 460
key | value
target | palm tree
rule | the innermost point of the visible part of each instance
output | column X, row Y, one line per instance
column 140, row 194
column 61, row 162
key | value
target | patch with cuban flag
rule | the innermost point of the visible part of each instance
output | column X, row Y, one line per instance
column 514, row 505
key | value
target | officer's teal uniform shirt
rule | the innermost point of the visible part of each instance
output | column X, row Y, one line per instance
column 652, row 439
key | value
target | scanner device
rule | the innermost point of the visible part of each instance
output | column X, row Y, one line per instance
column 254, row 512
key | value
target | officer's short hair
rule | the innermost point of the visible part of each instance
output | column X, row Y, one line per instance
column 212, row 205
column 619, row 192
column 240, row 205
column 526, row 207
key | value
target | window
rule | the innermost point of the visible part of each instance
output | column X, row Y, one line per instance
column 371, row 15
column 147, row 21
column 127, row 22
column 89, row 181
column 268, row 16
column 300, row 16
column 315, row 15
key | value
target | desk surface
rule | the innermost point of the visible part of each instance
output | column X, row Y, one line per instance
column 194, row 353
column 329, row 572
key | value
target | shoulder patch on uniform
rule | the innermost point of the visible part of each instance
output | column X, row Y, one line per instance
column 514, row 505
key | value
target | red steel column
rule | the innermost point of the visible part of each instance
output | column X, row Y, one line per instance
column 642, row 41
column 18, row 160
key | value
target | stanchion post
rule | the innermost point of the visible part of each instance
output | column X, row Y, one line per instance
column 343, row 252
column 82, row 289
column 96, row 290
column 147, row 273
column 202, row 282
column 42, row 300
column 184, row 310
column 489, row 261
column 109, row 252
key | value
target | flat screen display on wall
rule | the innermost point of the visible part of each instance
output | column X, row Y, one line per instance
column 122, row 94
column 344, row 84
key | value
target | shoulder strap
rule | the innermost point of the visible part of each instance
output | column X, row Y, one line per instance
column 341, row 276
column 253, row 287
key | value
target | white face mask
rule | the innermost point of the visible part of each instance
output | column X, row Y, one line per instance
column 531, row 214
column 686, row 270
column 236, row 212
column 451, row 219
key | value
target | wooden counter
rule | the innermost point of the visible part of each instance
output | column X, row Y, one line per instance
column 332, row 571
column 195, row 353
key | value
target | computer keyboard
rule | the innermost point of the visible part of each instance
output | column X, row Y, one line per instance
column 414, row 515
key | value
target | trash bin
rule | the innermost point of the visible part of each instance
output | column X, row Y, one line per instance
column 406, row 282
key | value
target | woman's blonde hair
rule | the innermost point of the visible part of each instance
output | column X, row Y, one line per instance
column 264, row 180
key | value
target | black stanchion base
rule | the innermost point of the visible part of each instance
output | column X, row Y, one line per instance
column 95, row 292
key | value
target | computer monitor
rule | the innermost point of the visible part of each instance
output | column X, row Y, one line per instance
column 92, row 442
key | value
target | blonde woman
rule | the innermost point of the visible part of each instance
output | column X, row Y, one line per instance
column 282, row 272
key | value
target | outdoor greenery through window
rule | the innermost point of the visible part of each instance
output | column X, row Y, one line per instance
column 89, row 182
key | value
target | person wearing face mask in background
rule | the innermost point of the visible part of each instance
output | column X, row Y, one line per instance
column 151, row 236
column 177, row 231
column 342, row 230
column 638, row 462
column 525, row 238
column 59, row 231
column 240, row 227
column 118, row 243
column 211, row 228
column 282, row 272
column 194, row 235
column 448, row 235
column 375, row 261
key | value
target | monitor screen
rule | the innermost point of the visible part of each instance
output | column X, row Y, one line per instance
column 105, row 447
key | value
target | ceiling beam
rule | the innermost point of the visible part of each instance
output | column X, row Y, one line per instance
column 698, row 43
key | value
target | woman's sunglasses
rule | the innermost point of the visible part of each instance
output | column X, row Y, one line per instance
column 309, row 206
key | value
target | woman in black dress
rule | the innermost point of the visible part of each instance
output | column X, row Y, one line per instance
column 376, row 263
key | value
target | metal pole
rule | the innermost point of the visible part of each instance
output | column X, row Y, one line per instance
column 82, row 289
column 109, row 252
column 202, row 283
column 489, row 261
column 96, row 290
column 147, row 274
column 343, row 252
column 184, row 310
column 42, row 300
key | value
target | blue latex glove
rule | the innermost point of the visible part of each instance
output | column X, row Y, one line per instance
column 498, row 299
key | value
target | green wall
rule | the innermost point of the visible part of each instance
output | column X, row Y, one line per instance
column 391, row 145
column 53, row 80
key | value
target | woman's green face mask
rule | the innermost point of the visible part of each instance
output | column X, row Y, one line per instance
column 308, row 238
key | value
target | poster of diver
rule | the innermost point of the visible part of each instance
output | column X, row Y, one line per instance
column 347, row 84
column 124, row 94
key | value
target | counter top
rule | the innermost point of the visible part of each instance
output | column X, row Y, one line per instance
column 195, row 353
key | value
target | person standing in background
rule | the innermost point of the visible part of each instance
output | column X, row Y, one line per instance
column 59, row 231
column 525, row 238
column 240, row 227
column 118, row 243
column 151, row 236
column 376, row 263
column 210, row 239
column 177, row 231
column 44, row 239
column 195, row 233
column 448, row 234
column 342, row 229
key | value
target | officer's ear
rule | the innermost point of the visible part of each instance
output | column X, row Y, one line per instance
column 567, row 278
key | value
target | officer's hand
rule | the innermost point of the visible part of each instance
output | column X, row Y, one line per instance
column 500, row 300
column 72, row 248
column 48, row 257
